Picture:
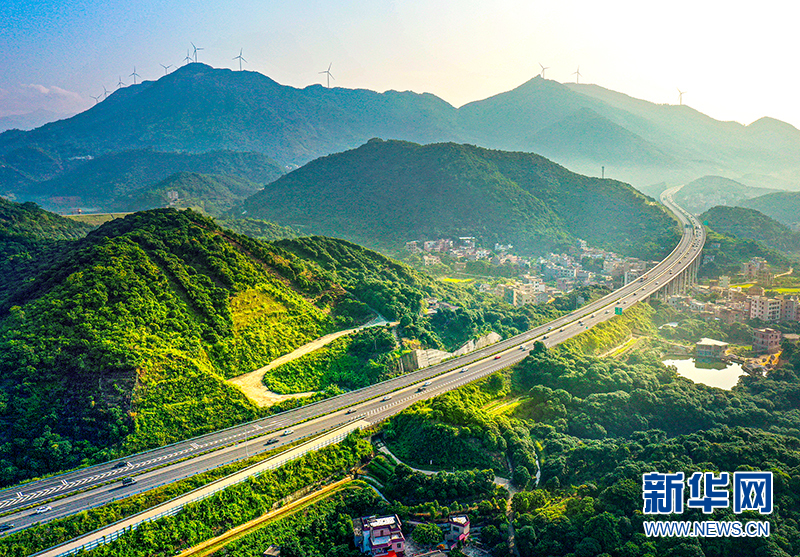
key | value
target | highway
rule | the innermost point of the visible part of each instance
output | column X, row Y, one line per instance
column 96, row 485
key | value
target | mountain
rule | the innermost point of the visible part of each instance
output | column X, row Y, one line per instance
column 386, row 193
column 209, row 193
column 197, row 109
column 29, row 120
column 709, row 191
column 750, row 224
column 782, row 206
column 112, row 181
column 122, row 340
column 28, row 219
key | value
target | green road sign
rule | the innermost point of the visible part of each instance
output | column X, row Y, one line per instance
column 617, row 311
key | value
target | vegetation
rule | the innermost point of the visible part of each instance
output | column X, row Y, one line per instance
column 238, row 504
column 122, row 340
column 448, row 190
column 349, row 363
column 29, row 220
column 724, row 255
column 140, row 179
column 212, row 194
column 596, row 425
column 783, row 206
column 749, row 224
column 258, row 229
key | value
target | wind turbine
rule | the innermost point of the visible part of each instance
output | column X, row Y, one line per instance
column 577, row 75
column 119, row 83
column 543, row 69
column 96, row 99
column 328, row 71
column 134, row 75
column 195, row 51
column 105, row 92
column 240, row 59
column 680, row 96
column 188, row 58
column 166, row 68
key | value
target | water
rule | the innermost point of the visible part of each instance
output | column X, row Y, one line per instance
column 711, row 373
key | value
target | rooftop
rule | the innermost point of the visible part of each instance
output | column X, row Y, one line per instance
column 711, row 342
column 459, row 519
column 382, row 521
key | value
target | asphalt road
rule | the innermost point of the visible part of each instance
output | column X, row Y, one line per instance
column 84, row 488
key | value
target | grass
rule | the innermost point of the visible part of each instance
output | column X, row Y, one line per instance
column 97, row 219
column 502, row 406
column 252, row 304
column 795, row 290
column 454, row 280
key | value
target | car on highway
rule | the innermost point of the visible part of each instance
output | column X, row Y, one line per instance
column 128, row 481
column 42, row 510
column 463, row 370
column 271, row 441
column 420, row 388
column 288, row 432
column 549, row 328
column 607, row 311
column 5, row 527
column 122, row 464
column 561, row 330
column 387, row 397
column 426, row 384
column 522, row 347
column 497, row 357
column 544, row 337
column 350, row 411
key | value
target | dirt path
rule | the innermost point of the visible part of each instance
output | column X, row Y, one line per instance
column 251, row 385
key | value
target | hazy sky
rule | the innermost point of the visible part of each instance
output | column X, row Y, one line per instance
column 734, row 63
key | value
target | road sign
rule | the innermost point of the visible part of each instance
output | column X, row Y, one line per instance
column 617, row 311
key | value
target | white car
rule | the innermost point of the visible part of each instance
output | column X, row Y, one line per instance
column 42, row 510
column 288, row 432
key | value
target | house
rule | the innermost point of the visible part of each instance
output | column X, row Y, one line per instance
column 710, row 348
column 766, row 309
column 379, row 536
column 272, row 551
column 457, row 529
column 766, row 341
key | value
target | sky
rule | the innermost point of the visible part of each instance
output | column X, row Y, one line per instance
column 735, row 61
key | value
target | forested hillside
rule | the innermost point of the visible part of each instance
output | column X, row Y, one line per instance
column 122, row 340
column 596, row 425
column 749, row 224
column 122, row 181
column 386, row 193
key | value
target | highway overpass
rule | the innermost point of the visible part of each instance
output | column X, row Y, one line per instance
column 97, row 485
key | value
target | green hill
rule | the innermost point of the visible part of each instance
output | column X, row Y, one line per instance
column 783, row 206
column 121, row 181
column 709, row 191
column 386, row 193
column 31, row 220
column 752, row 225
column 212, row 194
column 121, row 340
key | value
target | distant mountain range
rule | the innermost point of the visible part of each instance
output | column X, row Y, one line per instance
column 198, row 109
column 386, row 193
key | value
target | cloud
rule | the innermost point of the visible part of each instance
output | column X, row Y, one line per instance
column 30, row 97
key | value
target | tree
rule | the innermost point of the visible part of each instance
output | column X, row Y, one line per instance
column 427, row 534
column 521, row 476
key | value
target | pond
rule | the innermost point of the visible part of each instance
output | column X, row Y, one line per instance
column 708, row 372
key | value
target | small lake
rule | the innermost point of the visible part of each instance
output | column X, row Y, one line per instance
column 708, row 372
